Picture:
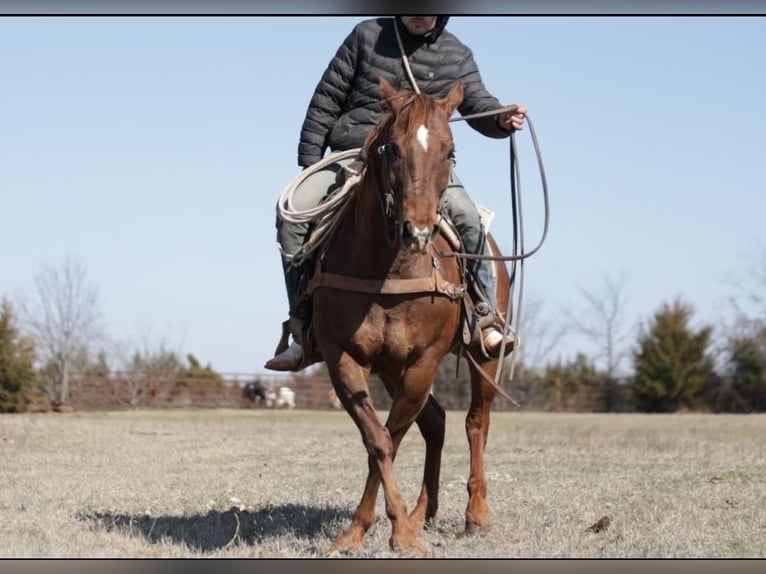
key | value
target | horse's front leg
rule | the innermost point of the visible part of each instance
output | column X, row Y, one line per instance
column 351, row 387
column 409, row 402
column 350, row 382
column 432, row 423
column 477, row 515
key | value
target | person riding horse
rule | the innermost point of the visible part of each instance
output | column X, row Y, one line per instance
column 346, row 105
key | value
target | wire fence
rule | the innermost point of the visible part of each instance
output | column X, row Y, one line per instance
column 115, row 391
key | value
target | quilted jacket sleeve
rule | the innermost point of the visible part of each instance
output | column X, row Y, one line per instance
column 328, row 100
column 477, row 99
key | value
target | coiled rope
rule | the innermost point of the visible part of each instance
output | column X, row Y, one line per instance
column 324, row 216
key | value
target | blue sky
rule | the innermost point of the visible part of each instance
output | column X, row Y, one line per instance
column 153, row 150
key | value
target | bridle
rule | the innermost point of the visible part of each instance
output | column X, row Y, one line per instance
column 392, row 223
column 388, row 153
column 518, row 252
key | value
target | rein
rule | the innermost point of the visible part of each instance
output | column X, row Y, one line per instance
column 515, row 187
column 519, row 255
column 518, row 221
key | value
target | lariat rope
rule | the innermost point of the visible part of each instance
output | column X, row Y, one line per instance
column 327, row 215
column 405, row 60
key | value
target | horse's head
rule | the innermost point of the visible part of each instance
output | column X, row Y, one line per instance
column 411, row 152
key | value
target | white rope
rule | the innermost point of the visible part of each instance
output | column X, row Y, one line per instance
column 406, row 62
column 324, row 216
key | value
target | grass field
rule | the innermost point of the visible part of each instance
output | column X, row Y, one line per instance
column 257, row 483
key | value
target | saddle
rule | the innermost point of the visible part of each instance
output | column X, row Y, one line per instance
column 474, row 310
column 475, row 315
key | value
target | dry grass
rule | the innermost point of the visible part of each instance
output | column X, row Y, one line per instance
column 255, row 483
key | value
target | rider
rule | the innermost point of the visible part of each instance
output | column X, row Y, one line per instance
column 346, row 105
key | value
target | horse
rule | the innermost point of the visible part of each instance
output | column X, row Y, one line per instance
column 386, row 299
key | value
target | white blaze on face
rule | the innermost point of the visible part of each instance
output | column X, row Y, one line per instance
column 422, row 136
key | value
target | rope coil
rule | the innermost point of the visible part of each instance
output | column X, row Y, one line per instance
column 326, row 215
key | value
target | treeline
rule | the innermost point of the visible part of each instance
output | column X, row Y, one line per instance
column 672, row 365
column 57, row 334
column 675, row 368
column 25, row 386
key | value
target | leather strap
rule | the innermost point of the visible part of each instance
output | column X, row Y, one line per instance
column 436, row 283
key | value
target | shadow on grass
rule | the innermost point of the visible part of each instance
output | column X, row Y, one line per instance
column 220, row 529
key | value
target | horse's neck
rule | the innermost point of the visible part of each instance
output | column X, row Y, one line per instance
column 362, row 248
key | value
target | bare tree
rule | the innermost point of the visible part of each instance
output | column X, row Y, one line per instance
column 146, row 361
column 602, row 321
column 539, row 334
column 749, row 301
column 65, row 319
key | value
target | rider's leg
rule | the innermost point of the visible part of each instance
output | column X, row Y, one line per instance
column 290, row 238
column 465, row 216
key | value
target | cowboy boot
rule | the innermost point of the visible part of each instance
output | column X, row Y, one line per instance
column 495, row 334
column 291, row 358
column 492, row 338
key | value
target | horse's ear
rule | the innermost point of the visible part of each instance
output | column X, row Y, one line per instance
column 454, row 97
column 392, row 98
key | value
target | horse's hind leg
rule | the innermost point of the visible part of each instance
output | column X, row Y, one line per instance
column 431, row 422
column 477, row 515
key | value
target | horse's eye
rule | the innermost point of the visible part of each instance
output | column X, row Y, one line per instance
column 451, row 155
column 389, row 150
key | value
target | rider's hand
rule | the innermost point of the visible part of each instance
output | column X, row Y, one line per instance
column 514, row 119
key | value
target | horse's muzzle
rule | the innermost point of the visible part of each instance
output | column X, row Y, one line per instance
column 417, row 239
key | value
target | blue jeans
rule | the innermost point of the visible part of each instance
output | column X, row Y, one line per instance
column 455, row 203
column 463, row 213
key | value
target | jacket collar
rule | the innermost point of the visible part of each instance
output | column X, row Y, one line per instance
column 428, row 37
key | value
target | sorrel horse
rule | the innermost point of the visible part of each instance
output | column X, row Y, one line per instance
column 386, row 301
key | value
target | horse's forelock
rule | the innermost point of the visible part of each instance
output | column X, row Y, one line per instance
column 409, row 118
column 415, row 114
column 405, row 123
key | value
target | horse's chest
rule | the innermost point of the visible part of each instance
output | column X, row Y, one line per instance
column 407, row 329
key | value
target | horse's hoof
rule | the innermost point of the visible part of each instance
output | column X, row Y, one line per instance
column 414, row 548
column 474, row 529
column 344, row 544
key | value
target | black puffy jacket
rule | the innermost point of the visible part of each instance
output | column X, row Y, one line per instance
column 346, row 103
